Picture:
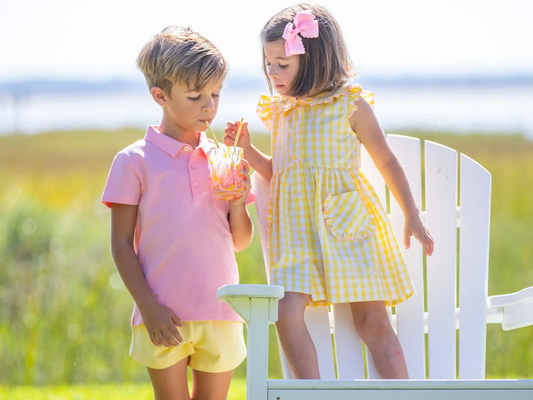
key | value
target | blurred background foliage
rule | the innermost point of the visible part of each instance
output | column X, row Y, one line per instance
column 64, row 312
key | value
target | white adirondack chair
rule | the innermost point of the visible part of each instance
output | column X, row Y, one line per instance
column 257, row 304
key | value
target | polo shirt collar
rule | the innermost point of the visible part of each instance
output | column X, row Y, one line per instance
column 171, row 146
column 167, row 144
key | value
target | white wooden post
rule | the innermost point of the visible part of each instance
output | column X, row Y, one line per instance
column 258, row 306
column 257, row 344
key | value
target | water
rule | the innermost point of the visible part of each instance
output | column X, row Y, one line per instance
column 507, row 109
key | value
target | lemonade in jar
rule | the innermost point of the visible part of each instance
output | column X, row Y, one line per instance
column 224, row 172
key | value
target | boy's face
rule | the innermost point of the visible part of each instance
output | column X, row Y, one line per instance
column 188, row 110
column 281, row 69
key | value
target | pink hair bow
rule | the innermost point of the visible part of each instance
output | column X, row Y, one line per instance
column 305, row 25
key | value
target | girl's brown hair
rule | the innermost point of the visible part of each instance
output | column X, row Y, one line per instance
column 326, row 65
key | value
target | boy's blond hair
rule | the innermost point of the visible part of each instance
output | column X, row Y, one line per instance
column 180, row 55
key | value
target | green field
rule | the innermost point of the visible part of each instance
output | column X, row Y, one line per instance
column 103, row 391
column 64, row 312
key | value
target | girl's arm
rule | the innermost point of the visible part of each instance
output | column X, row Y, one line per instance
column 159, row 321
column 366, row 126
column 257, row 160
column 239, row 220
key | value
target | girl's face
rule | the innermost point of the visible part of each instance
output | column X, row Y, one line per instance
column 281, row 69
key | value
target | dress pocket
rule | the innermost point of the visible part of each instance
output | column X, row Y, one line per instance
column 347, row 217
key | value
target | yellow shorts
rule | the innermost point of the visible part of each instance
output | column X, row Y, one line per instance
column 212, row 346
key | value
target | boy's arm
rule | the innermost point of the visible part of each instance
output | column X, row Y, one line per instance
column 159, row 320
column 241, row 226
column 239, row 220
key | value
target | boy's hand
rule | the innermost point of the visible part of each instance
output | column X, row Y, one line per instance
column 244, row 168
column 414, row 226
column 231, row 134
column 160, row 322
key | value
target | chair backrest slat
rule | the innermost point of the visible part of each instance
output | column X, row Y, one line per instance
column 348, row 344
column 317, row 321
column 285, row 367
column 410, row 313
column 371, row 367
column 369, row 169
column 441, row 207
column 474, row 267
column 261, row 188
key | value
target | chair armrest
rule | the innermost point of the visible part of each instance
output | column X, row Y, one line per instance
column 516, row 308
column 258, row 306
column 243, row 298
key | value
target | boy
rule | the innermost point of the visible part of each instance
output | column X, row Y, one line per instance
column 172, row 242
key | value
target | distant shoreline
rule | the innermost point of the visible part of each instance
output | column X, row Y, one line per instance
column 483, row 105
column 50, row 86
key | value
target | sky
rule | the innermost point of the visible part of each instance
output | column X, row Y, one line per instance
column 100, row 39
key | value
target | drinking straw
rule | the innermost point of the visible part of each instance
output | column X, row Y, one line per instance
column 212, row 134
column 238, row 133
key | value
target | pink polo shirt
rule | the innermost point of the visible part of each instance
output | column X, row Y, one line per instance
column 182, row 235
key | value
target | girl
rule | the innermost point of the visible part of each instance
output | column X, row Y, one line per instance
column 330, row 240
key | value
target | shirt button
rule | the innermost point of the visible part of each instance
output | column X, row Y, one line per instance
column 195, row 184
column 186, row 148
column 298, row 194
column 297, row 160
column 192, row 166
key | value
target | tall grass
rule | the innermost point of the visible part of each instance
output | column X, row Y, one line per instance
column 64, row 312
column 104, row 391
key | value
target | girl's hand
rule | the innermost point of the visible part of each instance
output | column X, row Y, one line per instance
column 231, row 133
column 160, row 322
column 244, row 168
column 414, row 226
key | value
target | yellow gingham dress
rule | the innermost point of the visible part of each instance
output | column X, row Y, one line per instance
column 328, row 233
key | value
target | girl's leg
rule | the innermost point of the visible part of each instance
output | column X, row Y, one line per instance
column 170, row 383
column 372, row 324
column 212, row 386
column 294, row 336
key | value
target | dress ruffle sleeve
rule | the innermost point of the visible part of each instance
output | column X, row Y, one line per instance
column 354, row 94
column 264, row 111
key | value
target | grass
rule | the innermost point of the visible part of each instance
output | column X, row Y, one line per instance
column 100, row 392
column 64, row 312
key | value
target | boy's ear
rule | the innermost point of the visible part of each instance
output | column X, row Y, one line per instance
column 159, row 96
